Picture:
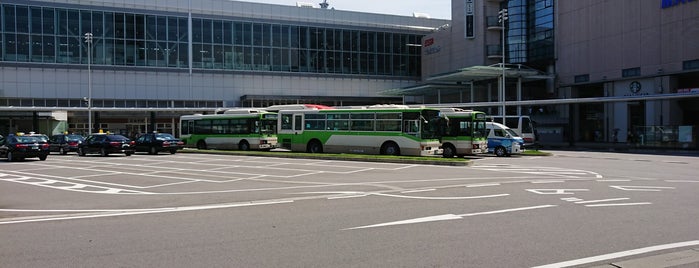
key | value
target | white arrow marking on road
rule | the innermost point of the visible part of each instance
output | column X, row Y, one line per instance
column 447, row 217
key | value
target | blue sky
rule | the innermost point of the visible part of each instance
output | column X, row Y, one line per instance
column 439, row 9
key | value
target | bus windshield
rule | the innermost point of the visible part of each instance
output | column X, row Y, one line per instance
column 479, row 129
column 269, row 126
column 430, row 122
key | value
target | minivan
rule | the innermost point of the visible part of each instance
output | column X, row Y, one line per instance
column 502, row 140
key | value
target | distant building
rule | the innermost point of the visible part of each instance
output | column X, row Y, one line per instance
column 155, row 60
column 637, row 63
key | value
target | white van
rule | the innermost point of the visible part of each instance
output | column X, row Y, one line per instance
column 521, row 124
column 502, row 140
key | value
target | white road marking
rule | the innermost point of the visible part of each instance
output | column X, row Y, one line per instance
column 556, row 191
column 543, row 182
column 71, row 186
column 602, row 200
column 682, row 181
column 620, row 254
column 447, row 217
column 417, row 191
column 441, row 198
column 571, row 199
column 482, row 185
column 641, row 188
column 146, row 211
column 619, row 204
column 613, row 180
column 347, row 196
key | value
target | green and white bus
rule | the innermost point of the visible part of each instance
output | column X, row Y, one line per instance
column 241, row 129
column 380, row 129
column 463, row 132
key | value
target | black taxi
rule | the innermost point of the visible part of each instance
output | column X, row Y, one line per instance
column 17, row 147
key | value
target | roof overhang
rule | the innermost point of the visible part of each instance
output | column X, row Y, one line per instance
column 463, row 77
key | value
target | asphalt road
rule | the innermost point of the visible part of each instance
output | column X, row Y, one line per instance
column 191, row 210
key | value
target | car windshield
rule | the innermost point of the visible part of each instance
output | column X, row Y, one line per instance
column 40, row 137
column 29, row 139
column 117, row 138
column 164, row 137
column 512, row 132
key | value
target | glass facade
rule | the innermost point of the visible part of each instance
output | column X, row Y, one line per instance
column 529, row 31
column 43, row 34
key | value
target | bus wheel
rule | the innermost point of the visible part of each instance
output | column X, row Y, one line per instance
column 449, row 151
column 390, row 148
column 243, row 146
column 314, row 147
column 500, row 151
column 201, row 145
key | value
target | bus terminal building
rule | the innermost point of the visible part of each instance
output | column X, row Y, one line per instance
column 585, row 71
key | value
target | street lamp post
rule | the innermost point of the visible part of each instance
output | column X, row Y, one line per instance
column 502, row 17
column 88, row 41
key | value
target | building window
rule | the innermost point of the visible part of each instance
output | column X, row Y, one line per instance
column 55, row 35
column 690, row 64
column 631, row 72
column 582, row 78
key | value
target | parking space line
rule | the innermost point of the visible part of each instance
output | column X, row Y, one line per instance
column 619, row 204
column 602, row 200
column 146, row 211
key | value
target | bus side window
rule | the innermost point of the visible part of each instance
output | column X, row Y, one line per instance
column 286, row 121
column 298, row 124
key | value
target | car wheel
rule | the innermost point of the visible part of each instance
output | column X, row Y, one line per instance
column 243, row 146
column 390, row 148
column 10, row 157
column 62, row 151
column 127, row 153
column 449, row 151
column 103, row 152
column 173, row 151
column 42, row 157
column 153, row 150
column 500, row 151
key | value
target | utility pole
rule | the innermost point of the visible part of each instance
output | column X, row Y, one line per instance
column 502, row 17
column 88, row 41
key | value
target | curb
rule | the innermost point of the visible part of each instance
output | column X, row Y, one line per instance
column 369, row 158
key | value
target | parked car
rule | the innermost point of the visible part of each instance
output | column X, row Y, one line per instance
column 153, row 143
column 503, row 141
column 18, row 147
column 105, row 144
column 64, row 143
